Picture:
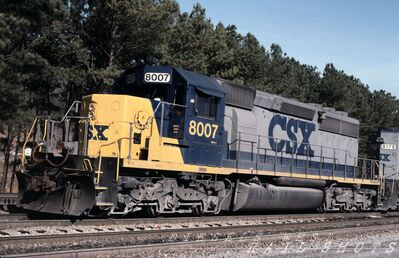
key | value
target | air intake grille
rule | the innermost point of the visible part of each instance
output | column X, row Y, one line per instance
column 340, row 127
column 297, row 111
column 238, row 95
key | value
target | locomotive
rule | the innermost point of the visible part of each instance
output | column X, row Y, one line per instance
column 168, row 140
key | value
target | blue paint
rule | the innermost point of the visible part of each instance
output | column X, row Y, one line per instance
column 286, row 164
column 194, row 149
column 385, row 157
column 291, row 126
column 100, row 132
column 203, row 150
column 282, row 122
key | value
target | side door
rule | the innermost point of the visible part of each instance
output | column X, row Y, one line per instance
column 204, row 128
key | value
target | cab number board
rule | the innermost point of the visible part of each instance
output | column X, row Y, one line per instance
column 202, row 130
column 157, row 77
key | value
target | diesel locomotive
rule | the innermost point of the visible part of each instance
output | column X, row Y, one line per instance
column 167, row 140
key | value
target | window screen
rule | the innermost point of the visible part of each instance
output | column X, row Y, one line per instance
column 205, row 105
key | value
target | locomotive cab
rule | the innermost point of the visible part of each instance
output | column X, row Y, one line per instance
column 188, row 109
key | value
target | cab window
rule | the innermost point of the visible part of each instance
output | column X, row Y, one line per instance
column 205, row 105
column 150, row 91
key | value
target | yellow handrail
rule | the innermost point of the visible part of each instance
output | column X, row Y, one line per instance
column 23, row 158
column 100, row 156
column 99, row 153
column 117, row 157
column 45, row 129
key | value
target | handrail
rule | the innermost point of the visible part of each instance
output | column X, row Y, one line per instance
column 366, row 172
column 69, row 110
column 308, row 144
column 23, row 158
column 279, row 139
column 117, row 158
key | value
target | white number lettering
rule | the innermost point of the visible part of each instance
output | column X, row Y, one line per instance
column 157, row 77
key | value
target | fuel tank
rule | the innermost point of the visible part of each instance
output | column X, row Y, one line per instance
column 299, row 182
column 252, row 196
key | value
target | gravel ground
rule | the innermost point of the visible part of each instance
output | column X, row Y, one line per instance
column 377, row 243
column 383, row 243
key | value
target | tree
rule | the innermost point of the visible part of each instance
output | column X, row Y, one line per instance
column 188, row 43
column 253, row 61
column 22, row 68
column 224, row 52
column 119, row 34
column 349, row 94
column 385, row 110
column 343, row 92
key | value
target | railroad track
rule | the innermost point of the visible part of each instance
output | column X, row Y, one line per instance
column 183, row 246
column 172, row 233
column 8, row 217
column 10, row 221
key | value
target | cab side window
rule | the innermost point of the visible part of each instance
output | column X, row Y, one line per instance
column 205, row 105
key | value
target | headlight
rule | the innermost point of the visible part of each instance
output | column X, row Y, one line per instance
column 28, row 152
column 91, row 107
column 92, row 116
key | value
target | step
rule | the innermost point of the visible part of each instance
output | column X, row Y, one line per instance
column 101, row 188
column 74, row 169
column 104, row 204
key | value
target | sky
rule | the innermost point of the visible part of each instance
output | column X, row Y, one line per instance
column 360, row 37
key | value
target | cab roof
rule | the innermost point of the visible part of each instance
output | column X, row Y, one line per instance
column 207, row 85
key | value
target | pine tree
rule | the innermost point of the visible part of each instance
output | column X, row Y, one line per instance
column 224, row 52
column 188, row 44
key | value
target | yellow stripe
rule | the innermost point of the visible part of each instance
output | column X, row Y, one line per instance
column 142, row 164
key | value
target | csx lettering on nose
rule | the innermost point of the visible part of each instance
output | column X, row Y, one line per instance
column 100, row 132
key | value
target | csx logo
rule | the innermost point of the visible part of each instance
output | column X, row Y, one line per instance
column 291, row 126
column 100, row 132
column 384, row 157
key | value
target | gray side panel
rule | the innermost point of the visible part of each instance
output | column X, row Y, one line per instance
column 389, row 153
column 254, row 127
column 292, row 126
